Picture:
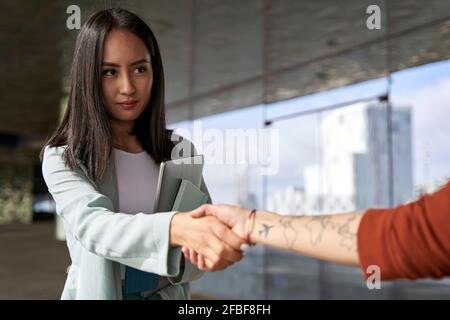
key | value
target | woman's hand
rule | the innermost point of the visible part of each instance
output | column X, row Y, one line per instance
column 233, row 216
column 214, row 242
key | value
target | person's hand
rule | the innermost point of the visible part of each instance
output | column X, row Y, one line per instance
column 216, row 245
column 233, row 216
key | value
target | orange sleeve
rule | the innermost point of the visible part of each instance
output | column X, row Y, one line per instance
column 411, row 241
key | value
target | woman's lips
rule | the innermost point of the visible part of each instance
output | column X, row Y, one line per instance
column 129, row 104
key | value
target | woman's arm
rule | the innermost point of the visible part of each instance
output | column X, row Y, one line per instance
column 140, row 241
column 332, row 237
column 410, row 241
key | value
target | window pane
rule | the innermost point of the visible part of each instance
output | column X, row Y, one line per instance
column 232, row 177
column 332, row 162
column 425, row 93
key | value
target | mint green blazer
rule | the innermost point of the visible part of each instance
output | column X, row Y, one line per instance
column 100, row 238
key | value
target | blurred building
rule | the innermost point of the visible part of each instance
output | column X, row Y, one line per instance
column 222, row 56
column 353, row 170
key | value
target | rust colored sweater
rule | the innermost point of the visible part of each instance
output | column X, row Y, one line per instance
column 411, row 241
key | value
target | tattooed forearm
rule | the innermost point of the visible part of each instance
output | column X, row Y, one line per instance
column 289, row 232
column 330, row 237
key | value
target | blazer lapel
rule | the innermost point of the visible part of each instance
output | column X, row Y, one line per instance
column 108, row 183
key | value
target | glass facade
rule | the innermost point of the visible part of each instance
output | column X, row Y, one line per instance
column 375, row 144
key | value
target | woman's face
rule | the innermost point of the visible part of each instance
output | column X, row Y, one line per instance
column 127, row 75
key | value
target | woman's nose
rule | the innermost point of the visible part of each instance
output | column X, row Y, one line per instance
column 126, row 85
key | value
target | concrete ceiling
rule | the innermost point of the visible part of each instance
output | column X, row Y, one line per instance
column 30, row 66
column 219, row 55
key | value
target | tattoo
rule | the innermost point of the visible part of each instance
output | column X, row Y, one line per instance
column 266, row 229
column 318, row 225
column 289, row 232
column 348, row 237
column 323, row 222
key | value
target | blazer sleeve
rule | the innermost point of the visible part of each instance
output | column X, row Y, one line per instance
column 140, row 241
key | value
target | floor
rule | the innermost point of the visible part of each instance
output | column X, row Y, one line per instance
column 33, row 262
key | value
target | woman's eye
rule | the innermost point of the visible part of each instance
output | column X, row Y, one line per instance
column 140, row 70
column 109, row 72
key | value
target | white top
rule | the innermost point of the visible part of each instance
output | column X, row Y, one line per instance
column 137, row 178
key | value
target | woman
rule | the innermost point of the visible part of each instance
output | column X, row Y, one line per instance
column 101, row 167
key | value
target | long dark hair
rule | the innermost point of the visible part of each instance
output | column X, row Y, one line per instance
column 85, row 127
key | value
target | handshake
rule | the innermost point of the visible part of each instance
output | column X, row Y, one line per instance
column 213, row 237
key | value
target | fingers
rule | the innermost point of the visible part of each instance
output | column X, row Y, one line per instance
column 200, row 259
column 212, row 260
column 193, row 256
column 232, row 216
column 201, row 263
column 211, row 257
column 185, row 251
column 229, row 237
column 223, row 253
column 225, row 246
column 230, row 254
column 212, row 264
column 201, row 211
